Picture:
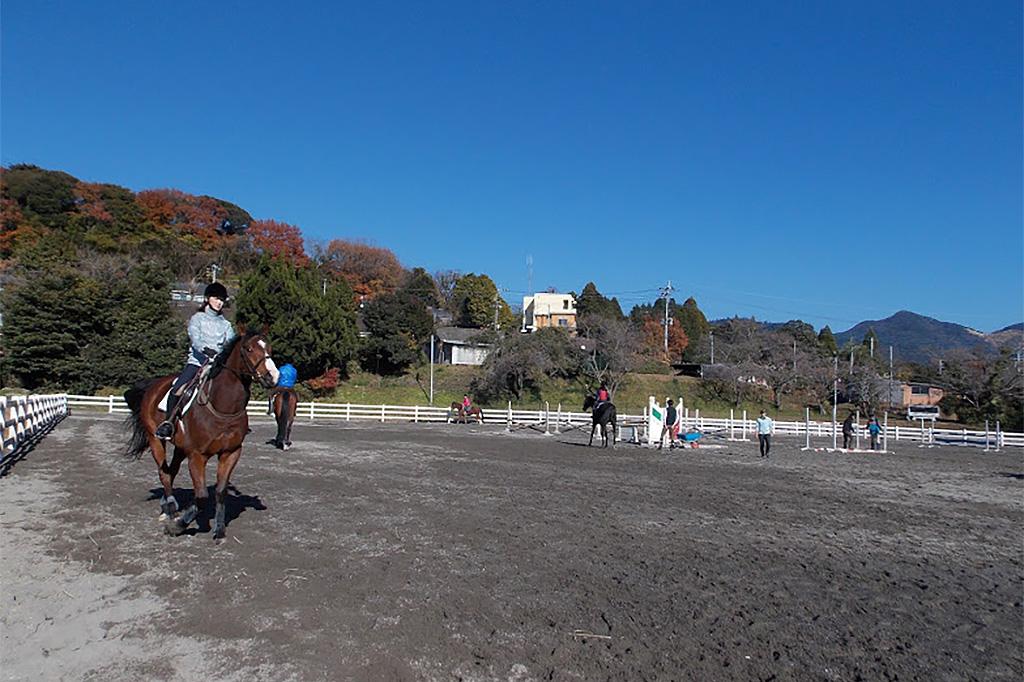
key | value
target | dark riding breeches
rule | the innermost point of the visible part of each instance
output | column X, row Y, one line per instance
column 186, row 376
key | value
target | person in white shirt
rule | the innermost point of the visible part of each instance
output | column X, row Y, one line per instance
column 765, row 429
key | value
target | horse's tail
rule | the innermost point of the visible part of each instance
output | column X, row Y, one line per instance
column 139, row 440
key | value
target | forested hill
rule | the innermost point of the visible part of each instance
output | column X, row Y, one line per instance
column 917, row 338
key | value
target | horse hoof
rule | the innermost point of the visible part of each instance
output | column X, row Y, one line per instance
column 218, row 533
column 286, row 446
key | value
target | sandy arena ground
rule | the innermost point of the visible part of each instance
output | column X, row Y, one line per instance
column 437, row 552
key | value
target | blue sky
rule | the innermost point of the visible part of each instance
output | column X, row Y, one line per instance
column 828, row 161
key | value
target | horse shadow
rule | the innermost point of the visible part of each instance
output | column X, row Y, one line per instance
column 235, row 504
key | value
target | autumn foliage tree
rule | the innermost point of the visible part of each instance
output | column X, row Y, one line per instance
column 369, row 270
column 278, row 240
column 653, row 334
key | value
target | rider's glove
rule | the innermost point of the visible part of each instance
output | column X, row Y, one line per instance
column 210, row 353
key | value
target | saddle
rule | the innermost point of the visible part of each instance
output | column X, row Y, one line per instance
column 189, row 392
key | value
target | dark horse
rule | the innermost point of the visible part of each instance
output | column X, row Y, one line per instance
column 283, row 402
column 459, row 413
column 603, row 415
column 215, row 425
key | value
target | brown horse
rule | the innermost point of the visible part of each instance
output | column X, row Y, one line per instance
column 459, row 413
column 283, row 404
column 215, row 426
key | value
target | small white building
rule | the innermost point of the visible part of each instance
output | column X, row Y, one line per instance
column 549, row 310
column 457, row 346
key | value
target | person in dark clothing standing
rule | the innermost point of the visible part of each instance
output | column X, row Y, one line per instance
column 765, row 429
column 668, row 425
column 848, row 431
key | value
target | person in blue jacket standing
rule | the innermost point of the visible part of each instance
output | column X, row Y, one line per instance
column 285, row 381
column 208, row 332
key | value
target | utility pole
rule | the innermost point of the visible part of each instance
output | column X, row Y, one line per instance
column 794, row 355
column 665, row 293
column 431, row 368
column 835, row 396
column 851, row 361
column 871, row 341
column 890, row 378
column 214, row 269
column 712, row 333
column 495, row 310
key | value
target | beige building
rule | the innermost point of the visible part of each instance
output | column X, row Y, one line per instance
column 921, row 394
column 549, row 310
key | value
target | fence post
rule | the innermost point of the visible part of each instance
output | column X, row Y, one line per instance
column 986, row 435
column 110, row 410
column 559, row 417
column 885, row 432
column 999, row 436
column 732, row 426
column 508, row 427
column 382, row 414
column 547, row 418
column 964, row 435
column 416, row 414
column 312, row 409
column 744, row 424
column 348, row 411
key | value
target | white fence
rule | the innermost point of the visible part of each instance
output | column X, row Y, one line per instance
column 27, row 415
column 556, row 420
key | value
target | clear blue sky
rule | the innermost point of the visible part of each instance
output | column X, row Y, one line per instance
column 829, row 161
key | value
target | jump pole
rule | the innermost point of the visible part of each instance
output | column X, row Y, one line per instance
column 558, row 418
column 885, row 432
column 856, row 431
column 999, row 436
column 508, row 426
column 732, row 426
column 807, row 428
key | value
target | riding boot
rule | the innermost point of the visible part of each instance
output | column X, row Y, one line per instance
column 166, row 428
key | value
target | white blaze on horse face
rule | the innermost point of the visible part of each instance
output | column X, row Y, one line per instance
column 275, row 373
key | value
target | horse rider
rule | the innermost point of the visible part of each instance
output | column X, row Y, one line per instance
column 208, row 332
column 285, row 380
column 601, row 396
column 466, row 404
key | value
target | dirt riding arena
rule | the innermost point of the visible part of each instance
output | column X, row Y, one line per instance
column 443, row 552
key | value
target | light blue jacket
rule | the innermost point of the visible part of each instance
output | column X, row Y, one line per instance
column 207, row 329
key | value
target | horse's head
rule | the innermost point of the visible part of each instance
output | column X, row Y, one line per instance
column 254, row 351
column 588, row 402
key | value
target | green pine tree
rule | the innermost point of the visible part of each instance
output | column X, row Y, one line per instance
column 313, row 330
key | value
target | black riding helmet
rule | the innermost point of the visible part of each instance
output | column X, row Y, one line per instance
column 216, row 289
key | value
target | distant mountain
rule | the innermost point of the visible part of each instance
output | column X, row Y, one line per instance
column 917, row 338
column 1008, row 337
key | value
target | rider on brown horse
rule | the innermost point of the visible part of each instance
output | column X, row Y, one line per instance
column 208, row 332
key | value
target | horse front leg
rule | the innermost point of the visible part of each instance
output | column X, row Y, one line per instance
column 197, row 469
column 225, row 465
column 593, row 427
column 168, row 503
column 157, row 448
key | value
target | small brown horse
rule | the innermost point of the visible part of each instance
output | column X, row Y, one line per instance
column 283, row 404
column 459, row 413
column 215, row 426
